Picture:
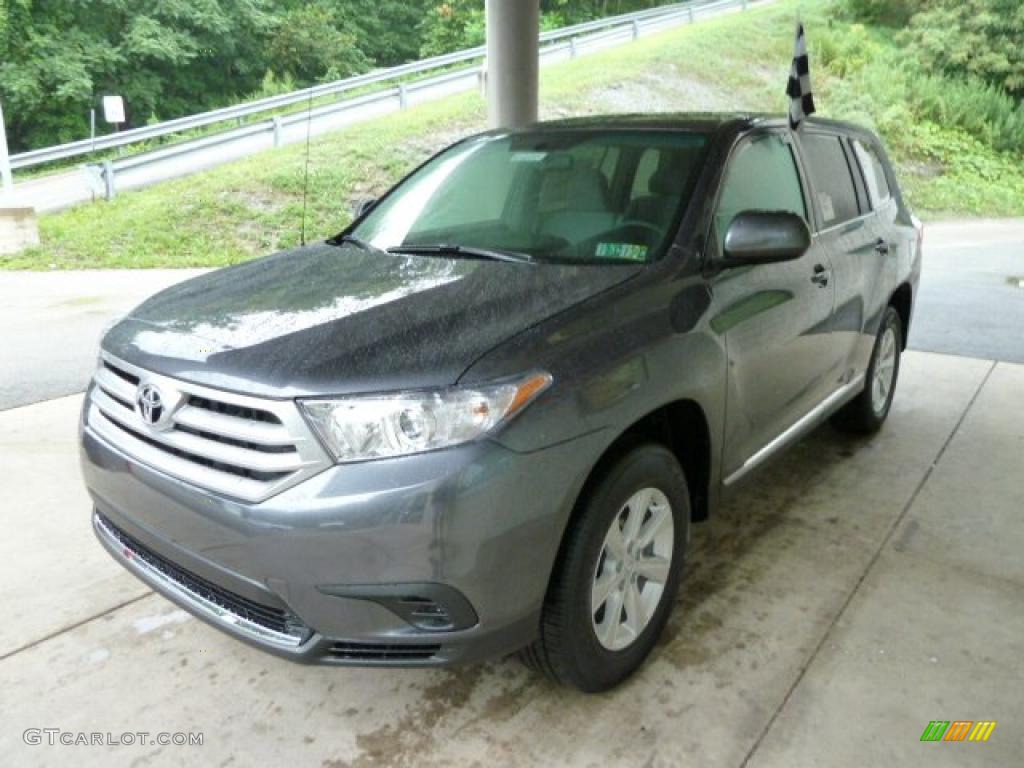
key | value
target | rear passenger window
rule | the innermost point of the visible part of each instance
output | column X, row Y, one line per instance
column 874, row 173
column 761, row 176
column 830, row 175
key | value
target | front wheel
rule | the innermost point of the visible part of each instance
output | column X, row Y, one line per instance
column 867, row 412
column 618, row 574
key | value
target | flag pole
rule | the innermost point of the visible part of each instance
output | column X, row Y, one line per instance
column 798, row 89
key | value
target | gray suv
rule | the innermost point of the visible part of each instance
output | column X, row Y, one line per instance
column 483, row 418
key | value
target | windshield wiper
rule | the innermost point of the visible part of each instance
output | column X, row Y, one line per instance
column 446, row 249
column 356, row 241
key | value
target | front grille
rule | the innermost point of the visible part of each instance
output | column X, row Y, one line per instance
column 206, row 594
column 230, row 409
column 382, row 652
column 129, row 377
column 240, row 446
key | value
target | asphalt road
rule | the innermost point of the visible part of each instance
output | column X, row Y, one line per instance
column 971, row 300
column 971, row 304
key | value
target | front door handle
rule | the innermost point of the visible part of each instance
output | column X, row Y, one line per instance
column 881, row 246
column 820, row 276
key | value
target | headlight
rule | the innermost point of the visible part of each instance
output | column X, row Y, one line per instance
column 364, row 427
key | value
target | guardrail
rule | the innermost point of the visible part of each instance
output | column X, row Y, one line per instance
column 239, row 111
column 560, row 44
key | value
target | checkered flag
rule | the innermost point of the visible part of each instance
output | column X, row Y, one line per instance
column 801, row 100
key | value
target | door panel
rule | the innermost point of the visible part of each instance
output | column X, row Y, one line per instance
column 777, row 324
column 775, row 318
column 856, row 267
column 855, row 239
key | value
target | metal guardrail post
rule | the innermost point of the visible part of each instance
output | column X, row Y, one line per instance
column 403, row 96
column 744, row 5
column 108, row 179
column 572, row 47
column 689, row 13
column 636, row 29
column 276, row 120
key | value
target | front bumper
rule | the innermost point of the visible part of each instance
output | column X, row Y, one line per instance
column 312, row 574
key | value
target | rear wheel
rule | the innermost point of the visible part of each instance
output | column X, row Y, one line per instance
column 867, row 412
column 618, row 574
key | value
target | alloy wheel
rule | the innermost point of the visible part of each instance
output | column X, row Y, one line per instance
column 632, row 569
column 885, row 370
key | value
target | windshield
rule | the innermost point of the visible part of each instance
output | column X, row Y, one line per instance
column 557, row 195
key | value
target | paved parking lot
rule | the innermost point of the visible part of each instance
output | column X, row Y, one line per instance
column 855, row 591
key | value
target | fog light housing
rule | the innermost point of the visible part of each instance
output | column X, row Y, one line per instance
column 427, row 607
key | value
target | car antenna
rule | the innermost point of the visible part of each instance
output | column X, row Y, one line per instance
column 305, row 180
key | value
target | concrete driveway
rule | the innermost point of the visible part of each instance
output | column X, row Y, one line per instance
column 855, row 591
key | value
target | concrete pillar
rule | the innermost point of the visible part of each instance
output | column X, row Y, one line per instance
column 18, row 229
column 513, row 28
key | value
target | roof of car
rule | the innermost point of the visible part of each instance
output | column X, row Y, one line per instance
column 682, row 121
column 649, row 121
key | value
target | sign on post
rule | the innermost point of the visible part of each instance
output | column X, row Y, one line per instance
column 6, row 182
column 113, row 109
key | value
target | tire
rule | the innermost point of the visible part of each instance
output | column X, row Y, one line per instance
column 867, row 412
column 574, row 647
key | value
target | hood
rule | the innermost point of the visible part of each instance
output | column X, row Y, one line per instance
column 336, row 320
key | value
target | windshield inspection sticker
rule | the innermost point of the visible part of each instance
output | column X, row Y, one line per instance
column 621, row 251
column 527, row 157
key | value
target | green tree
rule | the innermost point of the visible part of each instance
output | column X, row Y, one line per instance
column 309, row 43
column 452, row 25
column 173, row 57
column 977, row 38
column 388, row 32
column 893, row 13
column 177, row 57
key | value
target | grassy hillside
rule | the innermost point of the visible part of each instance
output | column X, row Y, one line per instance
column 738, row 62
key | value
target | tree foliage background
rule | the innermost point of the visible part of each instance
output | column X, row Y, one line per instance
column 982, row 39
column 170, row 58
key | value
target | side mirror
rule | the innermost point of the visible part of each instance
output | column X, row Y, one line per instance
column 363, row 207
column 765, row 237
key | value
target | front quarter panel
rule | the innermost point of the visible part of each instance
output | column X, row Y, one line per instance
column 615, row 359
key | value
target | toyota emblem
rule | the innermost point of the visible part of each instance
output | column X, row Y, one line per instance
column 150, row 404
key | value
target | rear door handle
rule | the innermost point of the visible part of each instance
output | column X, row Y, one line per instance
column 820, row 276
column 881, row 246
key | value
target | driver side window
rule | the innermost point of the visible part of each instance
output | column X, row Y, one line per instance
column 761, row 176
